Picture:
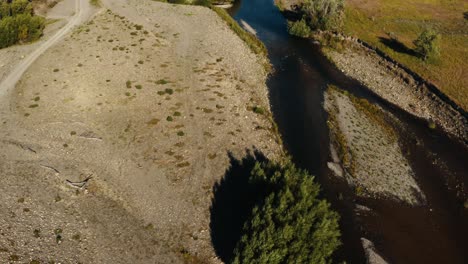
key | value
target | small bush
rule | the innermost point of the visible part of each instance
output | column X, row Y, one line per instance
column 332, row 41
column 258, row 110
column 179, row 2
column 427, row 44
column 162, row 82
column 95, row 3
column 206, row 3
column 299, row 28
column 324, row 14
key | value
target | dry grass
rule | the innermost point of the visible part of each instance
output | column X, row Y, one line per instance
column 371, row 20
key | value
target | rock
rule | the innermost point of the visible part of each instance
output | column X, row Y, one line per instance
column 371, row 255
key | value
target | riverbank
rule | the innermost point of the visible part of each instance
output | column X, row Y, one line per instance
column 397, row 86
column 112, row 141
column 394, row 82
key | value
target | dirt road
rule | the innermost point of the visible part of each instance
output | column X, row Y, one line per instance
column 82, row 10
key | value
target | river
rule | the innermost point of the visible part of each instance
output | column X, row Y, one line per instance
column 436, row 232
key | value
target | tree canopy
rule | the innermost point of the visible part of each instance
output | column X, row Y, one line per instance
column 291, row 224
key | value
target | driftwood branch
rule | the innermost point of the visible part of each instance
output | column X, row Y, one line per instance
column 81, row 184
column 19, row 145
column 50, row 168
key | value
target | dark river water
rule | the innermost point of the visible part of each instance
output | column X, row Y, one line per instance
column 434, row 233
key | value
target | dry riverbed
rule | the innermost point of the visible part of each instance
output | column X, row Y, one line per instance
column 141, row 106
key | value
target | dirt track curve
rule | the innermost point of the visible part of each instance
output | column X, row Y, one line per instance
column 82, row 9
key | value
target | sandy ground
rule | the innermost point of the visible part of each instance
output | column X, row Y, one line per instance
column 373, row 161
column 147, row 99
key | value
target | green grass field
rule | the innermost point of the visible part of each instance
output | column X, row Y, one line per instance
column 371, row 20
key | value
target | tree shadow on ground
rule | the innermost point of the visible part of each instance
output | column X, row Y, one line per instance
column 397, row 46
column 232, row 203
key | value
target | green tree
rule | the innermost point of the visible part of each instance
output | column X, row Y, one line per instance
column 291, row 224
column 427, row 44
column 324, row 14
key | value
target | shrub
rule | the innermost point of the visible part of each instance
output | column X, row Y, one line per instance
column 18, row 7
column 95, row 3
column 258, row 110
column 4, row 9
column 290, row 223
column 331, row 41
column 17, row 23
column 162, row 81
column 179, row 2
column 206, row 3
column 324, row 14
column 427, row 44
column 299, row 28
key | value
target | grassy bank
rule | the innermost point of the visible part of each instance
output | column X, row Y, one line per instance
column 371, row 21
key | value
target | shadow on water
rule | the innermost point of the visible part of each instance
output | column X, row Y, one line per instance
column 233, row 201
